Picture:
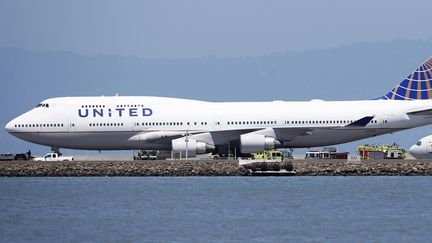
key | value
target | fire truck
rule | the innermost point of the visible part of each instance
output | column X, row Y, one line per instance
column 383, row 151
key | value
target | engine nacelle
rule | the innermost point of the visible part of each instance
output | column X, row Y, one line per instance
column 194, row 147
column 256, row 143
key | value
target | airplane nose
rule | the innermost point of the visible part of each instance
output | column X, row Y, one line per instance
column 414, row 151
column 9, row 127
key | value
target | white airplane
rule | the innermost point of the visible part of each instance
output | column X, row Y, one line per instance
column 197, row 127
column 422, row 149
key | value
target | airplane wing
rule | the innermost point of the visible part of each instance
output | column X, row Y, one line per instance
column 223, row 136
column 159, row 136
column 289, row 133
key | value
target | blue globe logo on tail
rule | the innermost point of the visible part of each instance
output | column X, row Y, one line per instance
column 417, row 86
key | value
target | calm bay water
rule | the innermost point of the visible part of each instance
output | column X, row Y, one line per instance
column 227, row 209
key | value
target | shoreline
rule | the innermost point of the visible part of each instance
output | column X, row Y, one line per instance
column 209, row 168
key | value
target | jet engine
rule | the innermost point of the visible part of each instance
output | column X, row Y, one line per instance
column 194, row 147
column 255, row 143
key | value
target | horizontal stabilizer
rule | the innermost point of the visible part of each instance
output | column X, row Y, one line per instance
column 425, row 112
column 361, row 122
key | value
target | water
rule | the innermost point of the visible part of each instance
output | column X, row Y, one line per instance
column 228, row 209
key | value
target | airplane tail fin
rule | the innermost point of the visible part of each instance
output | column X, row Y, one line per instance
column 417, row 86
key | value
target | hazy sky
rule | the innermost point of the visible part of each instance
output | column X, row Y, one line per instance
column 195, row 28
column 198, row 28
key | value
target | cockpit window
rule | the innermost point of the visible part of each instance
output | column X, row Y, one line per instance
column 418, row 143
column 42, row 105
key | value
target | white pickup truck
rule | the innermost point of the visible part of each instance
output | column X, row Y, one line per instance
column 53, row 157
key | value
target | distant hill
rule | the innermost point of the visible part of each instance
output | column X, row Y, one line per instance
column 360, row 71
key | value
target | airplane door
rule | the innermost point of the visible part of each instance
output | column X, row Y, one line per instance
column 71, row 125
column 135, row 125
column 217, row 123
column 384, row 122
column 429, row 147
